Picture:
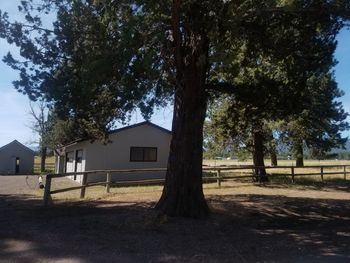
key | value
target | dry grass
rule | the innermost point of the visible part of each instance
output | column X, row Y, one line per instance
column 49, row 160
column 287, row 171
column 304, row 187
column 50, row 164
column 98, row 192
column 280, row 162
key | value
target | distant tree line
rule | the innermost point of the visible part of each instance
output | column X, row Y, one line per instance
column 282, row 153
column 343, row 155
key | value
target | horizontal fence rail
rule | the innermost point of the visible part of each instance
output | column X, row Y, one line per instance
column 48, row 168
column 216, row 175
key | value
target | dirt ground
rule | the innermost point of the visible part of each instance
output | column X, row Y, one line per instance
column 249, row 223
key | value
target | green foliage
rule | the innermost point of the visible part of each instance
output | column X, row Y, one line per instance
column 92, row 66
column 344, row 155
column 232, row 124
column 319, row 126
column 291, row 83
column 103, row 58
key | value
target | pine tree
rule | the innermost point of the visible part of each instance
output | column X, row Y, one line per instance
column 103, row 59
column 319, row 126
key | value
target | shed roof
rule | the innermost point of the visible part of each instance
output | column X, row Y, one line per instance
column 125, row 128
column 140, row 124
column 17, row 143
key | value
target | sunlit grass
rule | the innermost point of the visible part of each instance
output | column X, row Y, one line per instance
column 280, row 162
column 50, row 164
column 283, row 180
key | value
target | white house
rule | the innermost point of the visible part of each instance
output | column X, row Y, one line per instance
column 139, row 146
column 15, row 158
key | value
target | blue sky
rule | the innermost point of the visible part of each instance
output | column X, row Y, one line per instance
column 14, row 107
column 15, row 121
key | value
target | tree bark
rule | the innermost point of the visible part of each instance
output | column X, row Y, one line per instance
column 43, row 152
column 273, row 150
column 273, row 155
column 258, row 157
column 183, row 191
column 299, row 153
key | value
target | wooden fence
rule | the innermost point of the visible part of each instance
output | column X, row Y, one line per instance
column 48, row 167
column 211, row 174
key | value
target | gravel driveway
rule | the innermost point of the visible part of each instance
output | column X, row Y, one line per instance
column 18, row 184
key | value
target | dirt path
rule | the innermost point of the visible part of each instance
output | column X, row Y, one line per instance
column 18, row 184
column 248, row 224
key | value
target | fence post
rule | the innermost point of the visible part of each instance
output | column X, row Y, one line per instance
column 83, row 189
column 344, row 172
column 218, row 180
column 292, row 172
column 47, row 190
column 321, row 173
column 108, row 183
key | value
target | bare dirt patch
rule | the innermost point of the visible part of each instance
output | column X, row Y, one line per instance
column 249, row 223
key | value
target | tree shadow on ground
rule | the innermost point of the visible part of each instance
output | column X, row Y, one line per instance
column 242, row 228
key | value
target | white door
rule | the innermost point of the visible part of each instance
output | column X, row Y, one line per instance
column 79, row 154
column 70, row 163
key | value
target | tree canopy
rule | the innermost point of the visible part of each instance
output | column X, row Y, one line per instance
column 319, row 126
column 91, row 69
column 104, row 58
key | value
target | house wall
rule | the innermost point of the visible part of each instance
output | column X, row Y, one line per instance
column 8, row 155
column 116, row 155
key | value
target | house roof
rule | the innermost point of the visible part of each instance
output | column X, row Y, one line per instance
column 123, row 129
column 17, row 143
column 140, row 124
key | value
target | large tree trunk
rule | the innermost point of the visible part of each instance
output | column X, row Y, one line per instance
column 258, row 157
column 299, row 153
column 183, row 192
column 43, row 152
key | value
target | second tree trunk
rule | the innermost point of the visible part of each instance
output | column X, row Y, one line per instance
column 258, row 157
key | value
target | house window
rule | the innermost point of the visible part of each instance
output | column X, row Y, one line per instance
column 79, row 156
column 143, row 154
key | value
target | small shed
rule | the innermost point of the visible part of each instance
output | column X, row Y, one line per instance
column 15, row 158
column 139, row 146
